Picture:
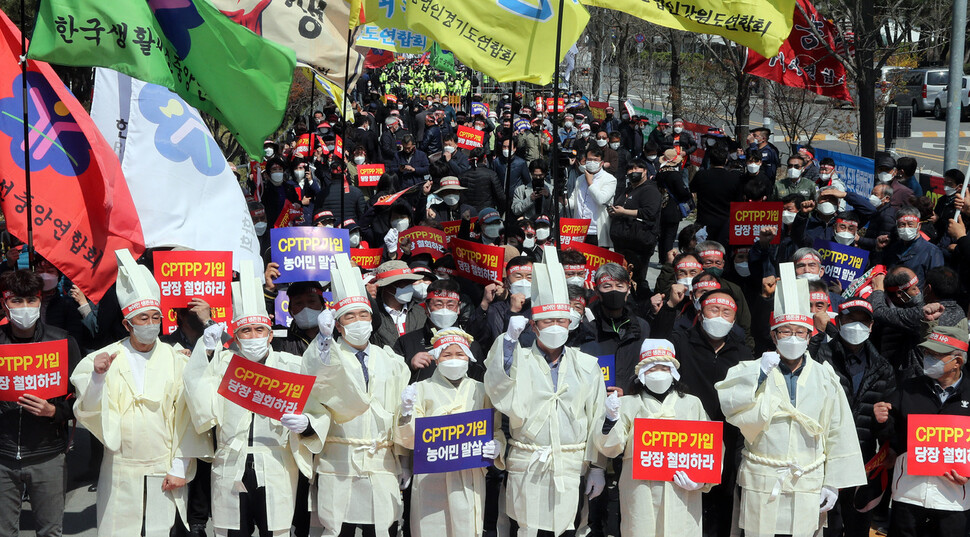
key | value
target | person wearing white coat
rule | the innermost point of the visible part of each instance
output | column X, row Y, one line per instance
column 591, row 197
column 653, row 508
column 448, row 503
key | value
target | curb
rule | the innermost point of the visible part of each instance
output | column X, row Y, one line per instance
column 851, row 136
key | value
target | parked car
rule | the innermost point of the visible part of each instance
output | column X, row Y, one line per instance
column 920, row 88
column 940, row 105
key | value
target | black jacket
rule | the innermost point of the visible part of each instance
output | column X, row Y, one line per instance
column 623, row 344
column 24, row 435
column 484, row 189
column 878, row 384
column 417, row 341
column 916, row 396
column 701, row 366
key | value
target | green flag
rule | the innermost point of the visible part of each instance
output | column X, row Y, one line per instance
column 213, row 63
column 442, row 60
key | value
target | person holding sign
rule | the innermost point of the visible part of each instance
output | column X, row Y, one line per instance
column 553, row 397
column 359, row 471
column 136, row 408
column 800, row 442
column 653, row 507
column 450, row 503
column 932, row 503
column 33, row 429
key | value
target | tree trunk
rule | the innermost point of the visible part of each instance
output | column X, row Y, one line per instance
column 596, row 66
column 676, row 105
column 742, row 112
column 623, row 66
column 866, row 77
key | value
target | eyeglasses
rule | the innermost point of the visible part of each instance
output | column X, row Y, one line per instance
column 788, row 332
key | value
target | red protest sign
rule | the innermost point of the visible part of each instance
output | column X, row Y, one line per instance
column 366, row 258
column 560, row 105
column 185, row 275
column 36, row 368
column 937, row 443
column 369, row 174
column 425, row 240
column 289, row 216
column 598, row 109
column 697, row 131
column 265, row 390
column 469, row 138
column 596, row 257
column 935, row 190
column 748, row 217
column 663, row 447
column 479, row 262
column 452, row 227
column 389, row 199
column 572, row 230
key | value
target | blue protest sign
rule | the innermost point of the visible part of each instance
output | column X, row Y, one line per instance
column 452, row 442
column 479, row 109
column 305, row 254
column 842, row 263
column 608, row 367
column 858, row 173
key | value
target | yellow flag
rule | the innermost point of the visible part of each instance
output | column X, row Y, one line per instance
column 761, row 25
column 505, row 39
column 387, row 29
column 355, row 6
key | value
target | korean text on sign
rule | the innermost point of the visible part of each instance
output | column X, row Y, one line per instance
column 469, row 138
column 480, row 262
column 842, row 263
column 596, row 257
column 306, row 254
column 452, row 442
column 184, row 275
column 663, row 447
column 573, row 230
column 452, row 227
column 36, row 368
column 937, row 443
column 425, row 240
column 748, row 217
column 608, row 368
column 265, row 390
column 369, row 174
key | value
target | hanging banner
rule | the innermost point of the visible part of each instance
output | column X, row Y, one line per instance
column 748, row 217
column 395, row 40
column 33, row 368
column 479, row 262
column 265, row 390
column 573, row 230
column 842, row 263
column 452, row 442
column 663, row 447
column 936, row 444
column 184, row 275
column 305, row 254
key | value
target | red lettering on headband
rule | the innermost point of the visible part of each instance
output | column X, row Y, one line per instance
column 655, row 352
column 950, row 341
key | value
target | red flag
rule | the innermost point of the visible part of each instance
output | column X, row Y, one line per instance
column 377, row 58
column 803, row 61
column 82, row 208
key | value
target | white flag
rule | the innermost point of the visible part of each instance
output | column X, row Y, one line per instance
column 183, row 189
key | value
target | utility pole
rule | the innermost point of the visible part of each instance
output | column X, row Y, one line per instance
column 958, row 35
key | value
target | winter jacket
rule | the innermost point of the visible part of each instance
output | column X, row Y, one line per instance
column 484, row 189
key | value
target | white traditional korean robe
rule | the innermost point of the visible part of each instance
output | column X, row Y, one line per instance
column 653, row 508
column 449, row 503
column 790, row 452
column 552, row 432
column 142, row 434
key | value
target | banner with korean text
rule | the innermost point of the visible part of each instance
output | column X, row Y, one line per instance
column 842, row 263
column 937, row 443
column 184, row 275
column 369, row 174
column 608, row 367
column 596, row 257
column 33, row 368
column 452, row 442
column 305, row 254
column 452, row 227
column 663, row 447
column 573, row 230
column 366, row 258
column 857, row 173
column 469, row 138
column 265, row 390
column 479, row 262
column 748, row 217
column 425, row 240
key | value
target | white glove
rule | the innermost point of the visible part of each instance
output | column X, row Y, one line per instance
column 490, row 449
column 612, row 407
column 405, row 478
column 212, row 337
column 828, row 498
column 684, row 482
column 769, row 361
column 390, row 240
column 407, row 399
column 296, row 423
column 325, row 324
column 595, row 482
column 517, row 325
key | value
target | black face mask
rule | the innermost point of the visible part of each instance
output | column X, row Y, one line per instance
column 613, row 300
column 634, row 177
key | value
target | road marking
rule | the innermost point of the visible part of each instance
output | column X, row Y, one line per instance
column 941, row 147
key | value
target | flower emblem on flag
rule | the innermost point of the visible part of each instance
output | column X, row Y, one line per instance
column 181, row 134
column 55, row 139
column 177, row 17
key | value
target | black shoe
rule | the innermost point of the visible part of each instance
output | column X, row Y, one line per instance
column 197, row 530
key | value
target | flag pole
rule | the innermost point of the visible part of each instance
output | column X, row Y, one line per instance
column 508, row 160
column 343, row 118
column 554, row 155
column 23, row 93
